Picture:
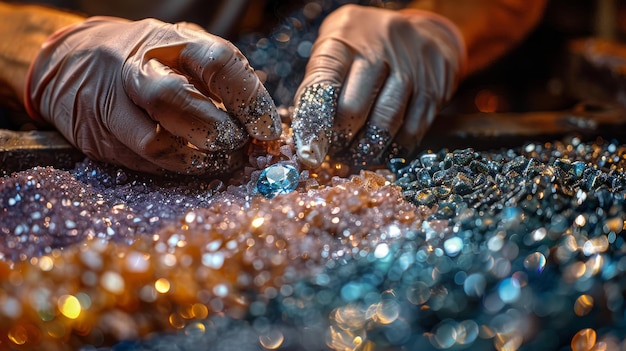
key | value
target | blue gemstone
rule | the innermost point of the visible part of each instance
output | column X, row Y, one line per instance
column 578, row 168
column 277, row 179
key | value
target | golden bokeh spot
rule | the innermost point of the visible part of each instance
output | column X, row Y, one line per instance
column 176, row 321
column 583, row 305
column 46, row 264
column 272, row 340
column 162, row 285
column 257, row 222
column 584, row 340
column 200, row 311
column 18, row 335
column 69, row 306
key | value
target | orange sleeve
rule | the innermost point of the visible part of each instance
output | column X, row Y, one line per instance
column 23, row 29
column 490, row 28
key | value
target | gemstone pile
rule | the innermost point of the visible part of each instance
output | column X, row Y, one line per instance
column 518, row 249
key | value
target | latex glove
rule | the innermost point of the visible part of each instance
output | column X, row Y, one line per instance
column 145, row 95
column 374, row 76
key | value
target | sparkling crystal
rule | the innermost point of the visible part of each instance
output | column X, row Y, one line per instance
column 578, row 168
column 277, row 179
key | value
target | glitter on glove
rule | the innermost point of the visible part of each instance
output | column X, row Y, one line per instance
column 313, row 122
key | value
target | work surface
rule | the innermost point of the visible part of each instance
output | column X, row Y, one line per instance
column 517, row 248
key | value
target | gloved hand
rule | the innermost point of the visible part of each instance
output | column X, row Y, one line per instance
column 374, row 76
column 145, row 95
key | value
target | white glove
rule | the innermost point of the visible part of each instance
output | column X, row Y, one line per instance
column 145, row 95
column 374, row 76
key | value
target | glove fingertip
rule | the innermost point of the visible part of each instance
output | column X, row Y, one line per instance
column 311, row 155
column 267, row 126
column 313, row 121
column 261, row 118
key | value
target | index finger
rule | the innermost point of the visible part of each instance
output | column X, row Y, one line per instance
column 225, row 74
column 317, row 97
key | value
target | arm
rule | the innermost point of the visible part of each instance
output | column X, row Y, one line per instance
column 489, row 27
column 22, row 31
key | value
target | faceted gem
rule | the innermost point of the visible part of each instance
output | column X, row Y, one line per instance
column 578, row 168
column 428, row 160
column 277, row 179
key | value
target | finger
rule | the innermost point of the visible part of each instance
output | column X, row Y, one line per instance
column 181, row 109
column 114, row 152
column 317, row 97
column 173, row 154
column 386, row 117
column 190, row 25
column 160, row 150
column 119, row 154
column 313, row 122
column 419, row 117
column 329, row 63
column 423, row 108
column 220, row 68
column 391, row 104
column 362, row 86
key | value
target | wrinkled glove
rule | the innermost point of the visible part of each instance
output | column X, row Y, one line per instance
column 145, row 95
column 375, row 76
